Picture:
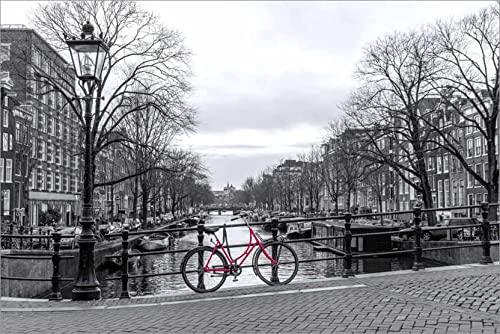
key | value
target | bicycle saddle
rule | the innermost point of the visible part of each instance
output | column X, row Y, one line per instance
column 211, row 230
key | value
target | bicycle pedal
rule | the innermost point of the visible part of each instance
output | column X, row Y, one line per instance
column 235, row 280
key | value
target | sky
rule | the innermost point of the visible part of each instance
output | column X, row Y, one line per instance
column 269, row 76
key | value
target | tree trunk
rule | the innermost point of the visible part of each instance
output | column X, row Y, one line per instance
column 136, row 195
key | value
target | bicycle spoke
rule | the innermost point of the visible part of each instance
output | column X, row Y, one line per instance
column 194, row 274
column 281, row 272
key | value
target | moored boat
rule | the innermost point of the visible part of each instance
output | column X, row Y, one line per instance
column 299, row 230
column 155, row 242
column 116, row 262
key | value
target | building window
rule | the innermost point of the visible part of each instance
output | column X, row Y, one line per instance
column 479, row 171
column 8, row 170
column 447, row 193
column 485, row 171
column 5, row 143
column 470, row 145
column 44, row 180
column 446, row 163
column 6, row 117
column 478, row 147
column 461, row 193
column 49, row 152
column 439, row 165
column 6, row 202
column 454, row 193
column 440, row 193
column 33, row 180
column 1, row 170
column 477, row 124
column 19, row 161
column 65, row 183
column 11, row 141
column 18, row 132
column 470, row 180
column 469, row 127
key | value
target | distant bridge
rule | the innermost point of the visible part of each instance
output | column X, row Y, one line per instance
column 219, row 209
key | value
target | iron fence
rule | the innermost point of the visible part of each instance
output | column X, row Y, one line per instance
column 347, row 254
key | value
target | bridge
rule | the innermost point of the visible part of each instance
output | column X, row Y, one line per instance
column 220, row 209
column 459, row 298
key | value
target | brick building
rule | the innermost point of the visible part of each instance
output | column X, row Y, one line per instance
column 56, row 140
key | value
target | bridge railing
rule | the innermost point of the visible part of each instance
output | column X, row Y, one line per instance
column 346, row 255
column 54, row 240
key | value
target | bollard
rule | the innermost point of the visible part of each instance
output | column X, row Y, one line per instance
column 11, row 232
column 201, row 229
column 124, row 293
column 56, row 258
column 485, row 241
column 21, row 231
column 417, row 264
column 274, row 251
column 347, row 247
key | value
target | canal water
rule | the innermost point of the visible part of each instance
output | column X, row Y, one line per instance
column 237, row 235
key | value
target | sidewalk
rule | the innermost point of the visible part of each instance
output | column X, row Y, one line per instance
column 455, row 299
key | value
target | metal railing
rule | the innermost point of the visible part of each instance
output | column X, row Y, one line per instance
column 55, row 257
column 347, row 254
column 347, row 237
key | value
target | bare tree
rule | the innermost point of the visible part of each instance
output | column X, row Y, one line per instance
column 145, row 59
column 469, row 50
column 396, row 73
column 312, row 176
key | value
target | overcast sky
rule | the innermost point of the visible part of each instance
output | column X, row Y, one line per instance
column 268, row 76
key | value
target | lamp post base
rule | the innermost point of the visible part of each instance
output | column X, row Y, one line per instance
column 486, row 260
column 86, row 293
column 87, row 285
column 417, row 266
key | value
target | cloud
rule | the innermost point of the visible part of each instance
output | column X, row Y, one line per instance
column 255, row 142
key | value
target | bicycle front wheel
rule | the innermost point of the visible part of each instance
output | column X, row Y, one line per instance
column 199, row 279
column 284, row 271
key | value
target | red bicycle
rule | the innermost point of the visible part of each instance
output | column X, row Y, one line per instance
column 205, row 269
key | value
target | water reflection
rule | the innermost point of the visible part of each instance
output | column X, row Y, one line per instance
column 237, row 235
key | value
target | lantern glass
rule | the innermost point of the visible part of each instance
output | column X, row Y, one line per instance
column 88, row 58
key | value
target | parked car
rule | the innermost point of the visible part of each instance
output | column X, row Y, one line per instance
column 72, row 243
column 435, row 233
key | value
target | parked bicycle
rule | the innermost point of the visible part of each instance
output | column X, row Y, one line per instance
column 205, row 269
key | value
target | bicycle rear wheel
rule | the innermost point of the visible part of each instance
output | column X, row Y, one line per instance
column 194, row 274
column 276, row 274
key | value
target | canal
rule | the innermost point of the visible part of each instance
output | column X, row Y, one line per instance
column 237, row 235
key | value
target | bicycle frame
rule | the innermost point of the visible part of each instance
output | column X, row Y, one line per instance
column 250, row 247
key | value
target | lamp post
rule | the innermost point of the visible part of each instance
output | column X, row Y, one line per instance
column 87, row 54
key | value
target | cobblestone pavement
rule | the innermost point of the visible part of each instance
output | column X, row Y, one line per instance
column 459, row 299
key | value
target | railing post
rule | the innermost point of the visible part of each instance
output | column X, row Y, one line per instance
column 40, row 239
column 485, row 241
column 11, row 232
column 417, row 264
column 31, row 239
column 274, row 249
column 56, row 258
column 124, row 293
column 21, row 231
column 201, row 265
column 347, row 247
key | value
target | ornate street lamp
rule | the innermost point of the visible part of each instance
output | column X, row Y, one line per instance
column 88, row 54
